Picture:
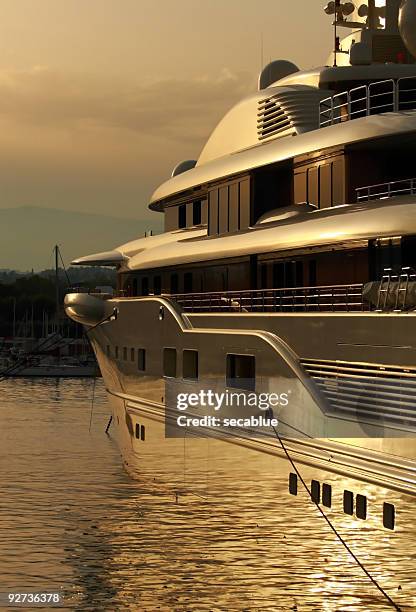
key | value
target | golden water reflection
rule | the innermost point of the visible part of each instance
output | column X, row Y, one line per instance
column 71, row 517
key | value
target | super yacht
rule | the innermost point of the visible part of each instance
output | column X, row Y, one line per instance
column 286, row 268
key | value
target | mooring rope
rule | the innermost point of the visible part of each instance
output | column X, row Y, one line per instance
column 337, row 534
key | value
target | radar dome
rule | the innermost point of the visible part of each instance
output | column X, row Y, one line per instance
column 184, row 167
column 276, row 70
column 407, row 24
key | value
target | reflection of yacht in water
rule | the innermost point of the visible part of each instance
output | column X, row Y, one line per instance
column 287, row 261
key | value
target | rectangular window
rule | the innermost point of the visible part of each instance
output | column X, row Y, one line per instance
column 157, row 285
column 223, row 210
column 293, row 484
column 145, row 286
column 388, row 516
column 125, row 353
column 348, row 503
column 116, row 352
column 289, row 274
column 187, row 282
column 190, row 364
column 174, row 283
column 142, row 433
column 361, row 507
column 233, row 222
column 316, row 491
column 241, row 372
column 141, row 359
column 244, row 204
column 299, row 274
column 196, row 213
column 263, row 276
column 278, row 275
column 182, row 216
column 169, row 362
column 326, row 495
column 132, row 356
column 213, row 212
column 137, row 431
column 312, row 273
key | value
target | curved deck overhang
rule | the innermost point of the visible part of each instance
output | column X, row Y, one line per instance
column 342, row 224
column 281, row 149
column 120, row 256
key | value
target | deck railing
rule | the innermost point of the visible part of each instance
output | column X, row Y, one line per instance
column 386, row 190
column 378, row 97
column 334, row 298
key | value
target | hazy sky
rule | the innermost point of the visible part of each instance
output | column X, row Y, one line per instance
column 99, row 99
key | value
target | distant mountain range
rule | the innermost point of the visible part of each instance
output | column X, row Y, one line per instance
column 28, row 235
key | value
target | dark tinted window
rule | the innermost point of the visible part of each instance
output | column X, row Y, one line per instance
column 132, row 354
column 348, row 503
column 241, row 371
column 327, row 495
column 174, row 283
column 142, row 433
column 182, row 216
column 293, row 484
column 196, row 213
column 312, row 273
column 190, row 364
column 125, row 353
column 169, row 362
column 187, row 282
column 278, row 275
column 316, row 491
column 361, row 506
column 145, row 286
column 157, row 285
column 388, row 516
column 141, row 359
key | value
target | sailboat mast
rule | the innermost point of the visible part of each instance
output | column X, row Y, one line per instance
column 57, row 305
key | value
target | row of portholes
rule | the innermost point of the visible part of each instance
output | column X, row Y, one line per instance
column 323, row 495
column 131, row 354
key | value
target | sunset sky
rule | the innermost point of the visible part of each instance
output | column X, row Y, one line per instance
column 99, row 99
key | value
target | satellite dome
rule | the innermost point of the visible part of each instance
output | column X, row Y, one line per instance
column 407, row 24
column 184, row 166
column 276, row 70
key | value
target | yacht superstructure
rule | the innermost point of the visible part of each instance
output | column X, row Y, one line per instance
column 287, row 266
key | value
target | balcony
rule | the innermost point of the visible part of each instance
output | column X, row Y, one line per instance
column 379, row 97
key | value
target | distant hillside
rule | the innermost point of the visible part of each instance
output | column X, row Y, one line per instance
column 28, row 235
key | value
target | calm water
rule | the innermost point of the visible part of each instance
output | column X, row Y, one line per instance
column 71, row 518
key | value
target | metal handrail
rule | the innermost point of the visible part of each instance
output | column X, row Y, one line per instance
column 375, row 98
column 324, row 298
column 386, row 190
